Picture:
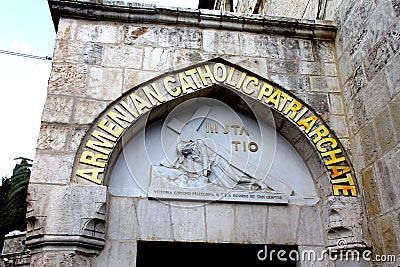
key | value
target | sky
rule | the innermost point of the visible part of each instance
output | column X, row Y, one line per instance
column 26, row 27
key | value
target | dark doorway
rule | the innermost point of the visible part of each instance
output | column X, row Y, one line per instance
column 155, row 253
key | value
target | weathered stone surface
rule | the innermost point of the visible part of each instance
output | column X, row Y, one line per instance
column 104, row 83
column 157, row 59
column 290, row 48
column 324, row 84
column 140, row 35
column 117, row 253
column 384, row 130
column 53, row 137
column 293, row 83
column 77, row 134
column 86, row 111
column 394, row 107
column 324, row 51
column 387, row 168
column 57, row 109
column 371, row 192
column 250, row 223
column 221, row 42
column 133, row 78
column 67, row 52
column 187, row 57
column 317, row 68
column 154, row 220
column 376, row 95
column 98, row 33
column 368, row 142
column 52, row 168
column 279, row 66
column 336, row 104
column 389, row 236
column 282, row 224
column 377, row 58
column 379, row 21
column 220, row 222
column 392, row 72
column 188, row 223
column 356, row 84
column 66, row 29
column 122, row 57
column 125, row 228
column 67, row 80
column 319, row 102
column 309, row 229
column 339, row 125
column 255, row 45
column 91, row 54
column 180, row 37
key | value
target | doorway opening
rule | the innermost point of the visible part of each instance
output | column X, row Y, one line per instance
column 162, row 253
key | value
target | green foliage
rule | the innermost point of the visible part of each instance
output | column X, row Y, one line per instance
column 13, row 193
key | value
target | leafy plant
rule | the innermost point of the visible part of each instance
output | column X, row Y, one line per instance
column 13, row 193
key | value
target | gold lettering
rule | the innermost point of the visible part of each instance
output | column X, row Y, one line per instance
column 286, row 97
column 100, row 146
column 240, row 82
column 230, row 75
column 338, row 170
column 321, row 131
column 121, row 116
column 308, row 123
column 247, row 82
column 168, row 80
column 264, row 92
column 294, row 106
column 348, row 179
column 226, row 131
column 345, row 189
column 140, row 103
column 222, row 67
column 236, row 143
column 128, row 108
column 300, row 114
column 109, row 127
column 192, row 73
column 332, row 155
column 244, row 130
column 91, row 174
column 208, row 74
column 235, row 127
column 326, row 140
column 253, row 147
column 155, row 93
column 90, row 158
column 274, row 98
column 185, row 83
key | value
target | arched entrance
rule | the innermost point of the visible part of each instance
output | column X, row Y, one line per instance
column 282, row 178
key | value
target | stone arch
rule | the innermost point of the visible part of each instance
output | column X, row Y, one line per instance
column 292, row 114
column 338, row 216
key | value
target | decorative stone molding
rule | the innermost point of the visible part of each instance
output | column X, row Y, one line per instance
column 148, row 13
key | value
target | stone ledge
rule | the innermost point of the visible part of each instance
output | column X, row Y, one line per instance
column 145, row 13
column 80, row 243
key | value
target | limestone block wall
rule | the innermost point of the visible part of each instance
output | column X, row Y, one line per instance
column 368, row 54
column 95, row 62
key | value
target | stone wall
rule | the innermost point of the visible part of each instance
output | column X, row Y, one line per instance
column 95, row 62
column 368, row 54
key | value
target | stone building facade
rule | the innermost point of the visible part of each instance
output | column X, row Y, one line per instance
column 119, row 69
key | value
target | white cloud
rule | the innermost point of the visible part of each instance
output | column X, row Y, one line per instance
column 23, row 92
